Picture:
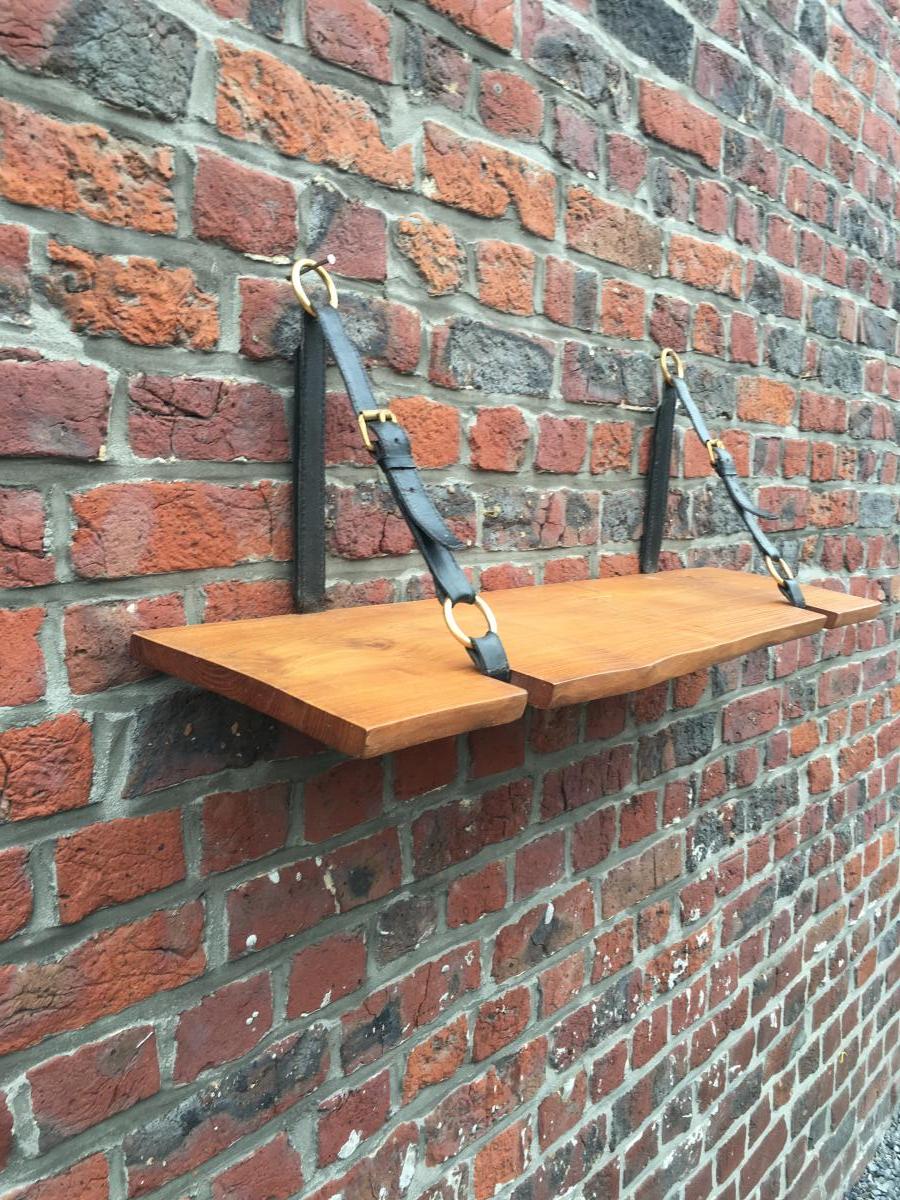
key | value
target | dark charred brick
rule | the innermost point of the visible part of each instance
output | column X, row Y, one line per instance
column 683, row 742
column 877, row 509
column 623, row 515
column 240, row 1101
column 193, row 733
column 767, row 291
column 525, row 519
column 652, row 30
column 471, row 354
column 824, row 315
column 670, row 190
column 404, row 925
column 813, row 27
column 129, row 54
column 877, row 329
column 565, row 53
column 435, row 70
column 786, row 350
column 732, row 85
column 598, row 376
column 841, row 369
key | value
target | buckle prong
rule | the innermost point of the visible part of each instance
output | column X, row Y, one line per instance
column 373, row 414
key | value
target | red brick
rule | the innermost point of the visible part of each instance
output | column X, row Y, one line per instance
column 500, row 1022
column 84, row 169
column 22, row 675
column 561, row 983
column 539, row 864
column 668, row 117
column 238, row 827
column 325, row 972
column 383, row 1171
column 272, row 1172
column 346, row 795
column 490, row 19
column 622, row 309
column 113, row 1076
column 836, row 103
column 711, row 206
column 638, row 818
column 766, row 401
column 218, row 420
column 261, row 99
column 53, row 410
column 627, row 161
column 611, row 233
column 636, row 879
column 709, row 331
column 561, row 1111
column 472, row 896
column 498, row 439
column 233, row 600
column 751, row 715
column 433, row 430
column 542, row 931
column 611, row 448
column 15, row 282
column 570, row 293
column 438, row 1058
column 486, row 180
column 16, row 898
column 613, row 950
column 501, row 1160
column 510, row 105
column 576, row 140
column 396, row 1011
column 117, row 861
column 562, row 443
column 223, row 1026
column 7, row 1136
column 134, row 298
column 86, row 1180
column 705, row 265
column 822, row 414
column 97, row 638
column 46, row 768
column 806, row 136
column 100, row 976
column 424, row 768
column 435, row 251
column 353, row 33
column 247, row 210
column 297, row 896
column 506, row 277
column 145, row 528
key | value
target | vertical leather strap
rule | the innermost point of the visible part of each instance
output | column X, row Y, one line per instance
column 676, row 392
column 309, row 468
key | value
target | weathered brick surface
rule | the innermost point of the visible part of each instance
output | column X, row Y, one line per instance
column 639, row 949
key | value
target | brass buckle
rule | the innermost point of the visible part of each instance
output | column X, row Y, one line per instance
column 373, row 414
column 664, row 356
column 712, row 446
column 300, row 267
column 456, row 629
column 773, row 570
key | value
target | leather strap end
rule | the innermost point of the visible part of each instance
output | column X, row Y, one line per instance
column 488, row 655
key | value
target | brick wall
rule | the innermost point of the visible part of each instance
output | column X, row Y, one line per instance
column 643, row 948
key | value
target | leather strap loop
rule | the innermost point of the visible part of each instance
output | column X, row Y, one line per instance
column 676, row 391
column 393, row 453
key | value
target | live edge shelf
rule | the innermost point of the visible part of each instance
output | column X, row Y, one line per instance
column 369, row 680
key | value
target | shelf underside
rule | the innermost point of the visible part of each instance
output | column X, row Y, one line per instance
column 369, row 680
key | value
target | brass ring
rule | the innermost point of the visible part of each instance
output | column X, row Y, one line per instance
column 453, row 625
column 664, row 366
column 309, row 264
column 773, row 571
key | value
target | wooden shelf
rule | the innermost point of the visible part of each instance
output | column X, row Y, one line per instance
column 370, row 680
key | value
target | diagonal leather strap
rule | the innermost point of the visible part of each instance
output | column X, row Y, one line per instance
column 676, row 391
column 393, row 453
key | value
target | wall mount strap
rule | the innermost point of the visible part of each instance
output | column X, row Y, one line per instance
column 389, row 443
column 676, row 392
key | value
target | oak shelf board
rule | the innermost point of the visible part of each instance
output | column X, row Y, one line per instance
column 604, row 637
column 370, row 680
column 362, row 680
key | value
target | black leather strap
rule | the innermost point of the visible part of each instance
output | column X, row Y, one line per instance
column 675, row 392
column 309, row 469
column 393, row 454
